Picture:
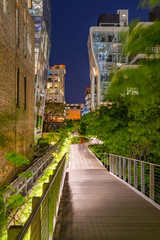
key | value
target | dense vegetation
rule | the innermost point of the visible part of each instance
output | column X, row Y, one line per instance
column 130, row 124
column 19, row 208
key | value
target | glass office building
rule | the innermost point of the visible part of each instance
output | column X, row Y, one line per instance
column 105, row 57
column 41, row 14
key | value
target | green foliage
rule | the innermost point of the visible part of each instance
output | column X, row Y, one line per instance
column 69, row 123
column 133, row 24
column 149, row 3
column 6, row 120
column 53, row 110
column 15, row 201
column 98, row 150
column 130, row 124
column 43, row 142
column 79, row 139
column 3, row 140
column 2, row 213
column 25, row 175
column 16, row 158
column 143, row 38
column 75, row 140
column 52, row 137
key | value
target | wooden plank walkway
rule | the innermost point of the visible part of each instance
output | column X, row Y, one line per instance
column 97, row 206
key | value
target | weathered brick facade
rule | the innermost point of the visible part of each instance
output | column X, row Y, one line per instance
column 16, row 83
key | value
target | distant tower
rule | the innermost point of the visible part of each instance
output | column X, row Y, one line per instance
column 56, row 84
column 40, row 10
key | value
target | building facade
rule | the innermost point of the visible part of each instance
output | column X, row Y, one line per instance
column 74, row 111
column 88, row 99
column 56, row 84
column 41, row 14
column 16, row 84
column 105, row 53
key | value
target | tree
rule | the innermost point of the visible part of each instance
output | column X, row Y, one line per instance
column 149, row 3
column 130, row 126
column 53, row 110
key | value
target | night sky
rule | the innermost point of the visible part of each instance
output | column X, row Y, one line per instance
column 71, row 20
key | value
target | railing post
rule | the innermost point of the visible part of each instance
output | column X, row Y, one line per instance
column 45, row 216
column 113, row 162
column 105, row 159
column 124, row 169
column 107, row 162
column 25, row 190
column 110, row 159
column 116, row 165
column 36, row 224
column 142, row 178
column 135, row 174
column 151, row 192
column 120, row 168
column 13, row 232
column 52, row 219
column 129, row 171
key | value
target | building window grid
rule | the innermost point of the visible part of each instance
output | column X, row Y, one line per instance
column 108, row 52
column 25, row 40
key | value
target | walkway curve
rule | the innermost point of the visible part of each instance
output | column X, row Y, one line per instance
column 97, row 206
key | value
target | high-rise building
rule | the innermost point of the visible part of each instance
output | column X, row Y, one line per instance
column 56, row 84
column 105, row 52
column 16, row 84
column 41, row 14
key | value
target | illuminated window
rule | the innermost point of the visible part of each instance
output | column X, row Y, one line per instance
column 29, row 3
column 49, row 85
column 17, row 26
column 5, row 3
column 25, row 40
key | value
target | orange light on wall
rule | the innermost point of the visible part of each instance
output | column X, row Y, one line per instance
column 73, row 114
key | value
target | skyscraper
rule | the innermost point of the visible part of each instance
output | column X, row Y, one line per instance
column 40, row 10
column 56, row 84
column 105, row 52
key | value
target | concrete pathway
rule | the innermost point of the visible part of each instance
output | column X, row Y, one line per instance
column 97, row 206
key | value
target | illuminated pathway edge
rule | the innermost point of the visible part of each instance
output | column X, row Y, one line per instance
column 97, row 206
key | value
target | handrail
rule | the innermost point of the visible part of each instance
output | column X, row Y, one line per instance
column 132, row 159
column 143, row 176
column 37, row 207
column 21, row 184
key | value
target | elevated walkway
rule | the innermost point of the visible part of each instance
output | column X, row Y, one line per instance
column 95, row 205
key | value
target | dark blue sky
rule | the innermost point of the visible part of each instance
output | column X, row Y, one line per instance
column 71, row 20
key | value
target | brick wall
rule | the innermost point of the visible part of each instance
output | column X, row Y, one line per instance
column 16, row 121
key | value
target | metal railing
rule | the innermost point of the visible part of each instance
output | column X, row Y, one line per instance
column 23, row 184
column 41, row 223
column 143, row 176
